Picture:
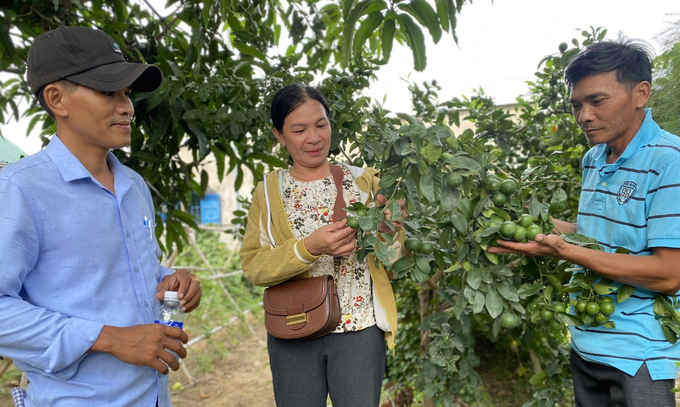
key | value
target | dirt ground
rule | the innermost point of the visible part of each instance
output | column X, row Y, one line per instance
column 241, row 378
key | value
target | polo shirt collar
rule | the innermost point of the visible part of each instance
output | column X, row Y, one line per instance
column 642, row 138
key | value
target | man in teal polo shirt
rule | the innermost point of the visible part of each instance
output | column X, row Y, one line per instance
column 630, row 199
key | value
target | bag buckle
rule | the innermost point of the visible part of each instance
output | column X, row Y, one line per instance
column 296, row 319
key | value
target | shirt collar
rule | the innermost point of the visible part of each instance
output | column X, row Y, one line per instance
column 643, row 136
column 72, row 169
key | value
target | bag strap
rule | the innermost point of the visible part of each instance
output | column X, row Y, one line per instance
column 338, row 211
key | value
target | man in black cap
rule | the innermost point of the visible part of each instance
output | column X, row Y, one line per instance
column 80, row 278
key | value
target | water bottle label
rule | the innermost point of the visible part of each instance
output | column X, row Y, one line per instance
column 176, row 324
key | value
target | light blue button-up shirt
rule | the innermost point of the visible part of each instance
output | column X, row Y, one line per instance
column 73, row 258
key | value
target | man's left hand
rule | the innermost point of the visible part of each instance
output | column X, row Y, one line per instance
column 543, row 246
column 186, row 284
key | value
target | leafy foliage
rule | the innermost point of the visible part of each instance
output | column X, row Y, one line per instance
column 222, row 64
column 666, row 81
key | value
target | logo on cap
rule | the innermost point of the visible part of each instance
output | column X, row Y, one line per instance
column 116, row 47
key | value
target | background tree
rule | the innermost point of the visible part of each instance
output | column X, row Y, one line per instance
column 221, row 63
column 665, row 98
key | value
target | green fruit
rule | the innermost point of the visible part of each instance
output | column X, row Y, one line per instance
column 427, row 248
column 601, row 318
column 563, row 46
column 412, row 244
column 358, row 162
column 559, row 307
column 508, row 187
column 520, row 234
column 510, row 320
column 492, row 186
column 607, row 308
column 499, row 199
column 581, row 305
column 547, row 314
column 533, row 231
column 535, row 141
column 454, row 180
column 526, row 220
column 556, row 325
column 507, row 229
column 362, row 212
column 592, row 308
column 604, row 299
column 352, row 222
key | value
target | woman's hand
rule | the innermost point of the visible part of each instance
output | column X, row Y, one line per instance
column 336, row 239
column 397, row 222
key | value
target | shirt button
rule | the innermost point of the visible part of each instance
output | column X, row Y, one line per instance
column 146, row 304
column 604, row 184
column 127, row 234
column 137, row 269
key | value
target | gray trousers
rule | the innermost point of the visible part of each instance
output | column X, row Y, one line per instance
column 347, row 366
column 601, row 385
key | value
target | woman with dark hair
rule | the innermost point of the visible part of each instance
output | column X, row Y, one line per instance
column 291, row 234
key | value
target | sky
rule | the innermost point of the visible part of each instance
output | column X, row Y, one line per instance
column 500, row 44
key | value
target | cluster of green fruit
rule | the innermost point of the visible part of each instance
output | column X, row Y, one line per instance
column 500, row 191
column 523, row 230
column 418, row 246
column 594, row 311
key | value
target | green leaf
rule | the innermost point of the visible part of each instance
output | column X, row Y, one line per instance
column 427, row 185
column 425, row 14
column 366, row 29
column 669, row 334
column 624, row 293
column 538, row 378
column 348, row 33
column 387, row 38
column 494, row 303
column 603, row 289
column 452, row 18
column 527, row 290
column 478, row 303
column 507, row 290
column 465, row 163
column 443, row 14
column 450, row 198
column 416, row 41
column 401, row 265
column 474, row 278
column 248, row 50
column 431, row 153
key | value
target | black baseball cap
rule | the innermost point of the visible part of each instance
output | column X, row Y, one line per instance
column 87, row 57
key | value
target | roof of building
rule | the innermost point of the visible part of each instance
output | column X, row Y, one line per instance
column 10, row 152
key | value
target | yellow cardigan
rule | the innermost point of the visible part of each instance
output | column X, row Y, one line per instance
column 270, row 254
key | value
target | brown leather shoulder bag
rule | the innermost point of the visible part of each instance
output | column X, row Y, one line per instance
column 307, row 308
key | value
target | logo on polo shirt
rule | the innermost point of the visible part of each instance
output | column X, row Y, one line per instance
column 626, row 192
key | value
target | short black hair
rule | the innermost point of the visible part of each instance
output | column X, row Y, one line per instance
column 290, row 98
column 631, row 59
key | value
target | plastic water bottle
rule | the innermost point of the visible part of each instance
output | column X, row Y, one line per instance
column 171, row 313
